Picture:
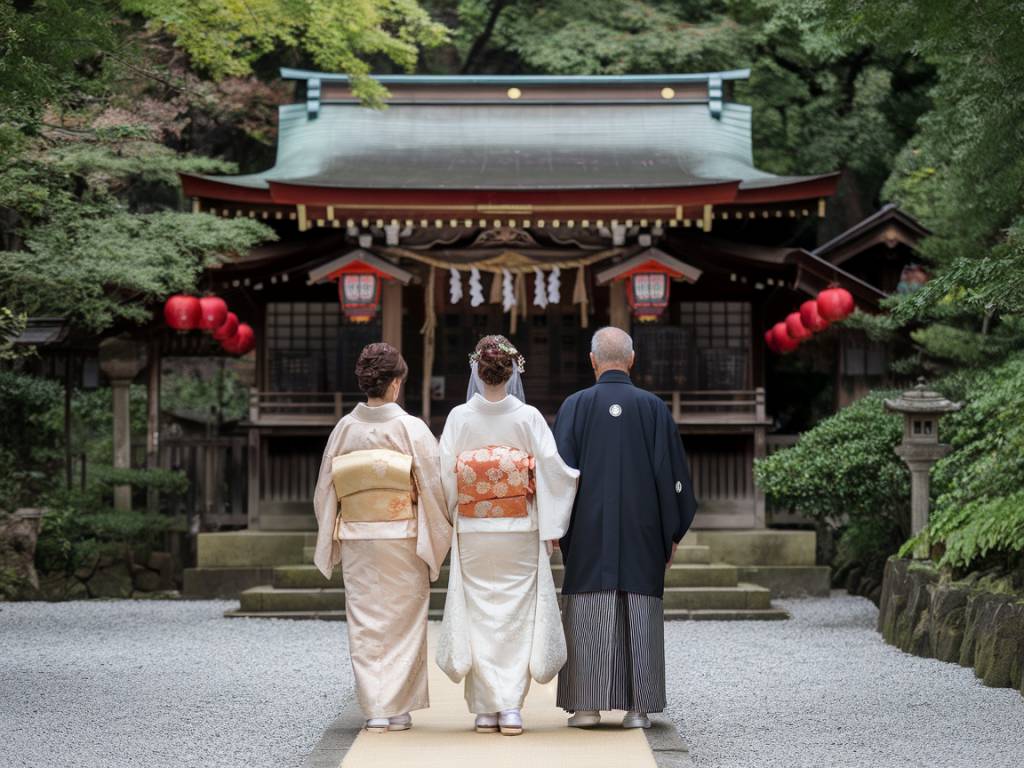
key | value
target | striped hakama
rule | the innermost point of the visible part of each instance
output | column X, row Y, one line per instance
column 616, row 644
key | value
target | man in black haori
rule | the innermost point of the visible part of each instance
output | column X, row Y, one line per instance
column 635, row 501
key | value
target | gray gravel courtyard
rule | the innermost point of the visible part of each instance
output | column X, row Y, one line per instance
column 97, row 684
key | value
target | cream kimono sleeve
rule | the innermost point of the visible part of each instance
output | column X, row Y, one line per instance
column 433, row 523
column 325, row 504
column 556, row 481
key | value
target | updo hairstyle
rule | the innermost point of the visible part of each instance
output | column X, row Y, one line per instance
column 495, row 359
column 378, row 365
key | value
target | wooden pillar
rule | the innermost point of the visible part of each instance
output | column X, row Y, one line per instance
column 618, row 307
column 121, row 389
column 253, row 481
column 760, row 451
column 391, row 314
column 428, row 331
column 153, row 421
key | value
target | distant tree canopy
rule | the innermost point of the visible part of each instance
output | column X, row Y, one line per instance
column 99, row 111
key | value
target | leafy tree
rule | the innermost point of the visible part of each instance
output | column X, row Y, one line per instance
column 228, row 38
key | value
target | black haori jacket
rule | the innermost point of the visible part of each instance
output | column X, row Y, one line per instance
column 635, row 497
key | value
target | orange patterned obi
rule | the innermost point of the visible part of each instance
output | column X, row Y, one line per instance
column 496, row 481
column 374, row 486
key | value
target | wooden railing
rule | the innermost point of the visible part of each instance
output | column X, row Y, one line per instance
column 717, row 406
column 298, row 408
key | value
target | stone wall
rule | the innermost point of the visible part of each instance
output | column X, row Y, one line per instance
column 976, row 622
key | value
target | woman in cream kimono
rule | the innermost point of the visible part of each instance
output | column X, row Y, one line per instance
column 501, row 624
column 390, row 543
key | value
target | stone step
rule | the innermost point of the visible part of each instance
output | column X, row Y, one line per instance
column 754, row 614
column 268, row 599
column 771, row 614
column 251, row 549
column 307, row 555
column 686, row 554
column 718, row 575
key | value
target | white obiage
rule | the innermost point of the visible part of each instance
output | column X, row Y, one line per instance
column 387, row 566
column 501, row 624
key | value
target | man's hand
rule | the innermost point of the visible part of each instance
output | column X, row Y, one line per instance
column 675, row 546
column 551, row 545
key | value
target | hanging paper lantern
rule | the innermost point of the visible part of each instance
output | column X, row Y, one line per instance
column 242, row 342
column 783, row 341
column 835, row 304
column 359, row 294
column 795, row 327
column 647, row 293
column 226, row 329
column 811, row 318
column 182, row 313
column 769, row 340
column 213, row 312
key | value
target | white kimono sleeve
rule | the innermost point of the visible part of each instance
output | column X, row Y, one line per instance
column 556, row 482
column 448, row 457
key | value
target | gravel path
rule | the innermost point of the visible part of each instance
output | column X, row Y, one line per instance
column 823, row 690
column 153, row 684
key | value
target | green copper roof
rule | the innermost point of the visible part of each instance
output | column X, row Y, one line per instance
column 515, row 145
column 661, row 79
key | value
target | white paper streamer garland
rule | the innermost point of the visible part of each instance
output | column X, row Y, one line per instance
column 555, row 286
column 454, row 285
column 540, row 293
column 476, row 289
column 508, row 292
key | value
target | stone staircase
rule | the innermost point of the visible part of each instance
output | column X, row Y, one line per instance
column 695, row 588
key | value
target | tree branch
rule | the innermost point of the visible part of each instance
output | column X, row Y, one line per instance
column 480, row 43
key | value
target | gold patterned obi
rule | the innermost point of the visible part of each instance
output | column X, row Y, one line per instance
column 374, row 486
column 496, row 481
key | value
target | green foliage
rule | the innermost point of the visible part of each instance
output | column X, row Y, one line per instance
column 117, row 267
column 979, row 486
column 48, row 52
column 227, row 38
column 11, row 325
column 843, row 466
column 80, row 529
column 199, row 396
column 963, row 173
column 30, row 438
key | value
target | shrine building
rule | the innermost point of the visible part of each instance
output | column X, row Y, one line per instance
column 540, row 207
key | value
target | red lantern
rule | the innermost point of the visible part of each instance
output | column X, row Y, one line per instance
column 769, row 340
column 835, row 304
column 811, row 318
column 783, row 341
column 182, row 313
column 226, row 329
column 647, row 293
column 795, row 327
column 213, row 313
column 359, row 294
column 243, row 340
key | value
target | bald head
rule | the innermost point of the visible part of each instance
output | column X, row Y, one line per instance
column 611, row 349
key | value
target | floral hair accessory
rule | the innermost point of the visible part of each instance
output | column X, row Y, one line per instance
column 509, row 350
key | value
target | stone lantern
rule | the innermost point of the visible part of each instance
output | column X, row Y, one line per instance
column 121, row 360
column 920, row 448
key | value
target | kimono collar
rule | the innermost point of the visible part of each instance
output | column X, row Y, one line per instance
column 386, row 412
column 614, row 377
column 507, row 404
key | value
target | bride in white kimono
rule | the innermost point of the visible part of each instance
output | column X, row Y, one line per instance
column 510, row 497
column 382, row 513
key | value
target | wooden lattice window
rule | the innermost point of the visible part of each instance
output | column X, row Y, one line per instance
column 302, row 346
column 721, row 335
